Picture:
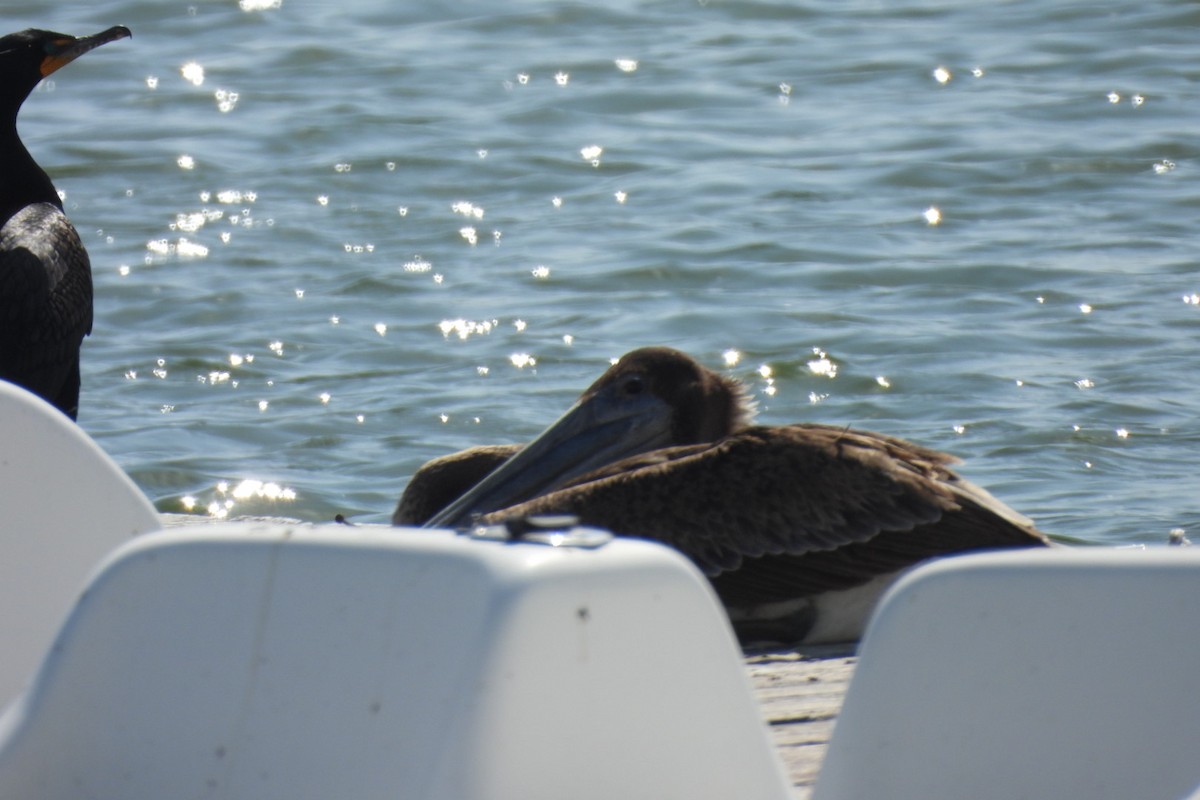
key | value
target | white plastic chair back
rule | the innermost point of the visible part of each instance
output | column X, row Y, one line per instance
column 1051, row 674
column 263, row 662
column 64, row 505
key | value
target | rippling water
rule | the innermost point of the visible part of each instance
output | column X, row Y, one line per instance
column 331, row 241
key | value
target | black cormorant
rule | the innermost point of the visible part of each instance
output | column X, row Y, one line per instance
column 45, row 275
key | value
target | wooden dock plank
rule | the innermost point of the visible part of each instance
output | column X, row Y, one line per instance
column 800, row 693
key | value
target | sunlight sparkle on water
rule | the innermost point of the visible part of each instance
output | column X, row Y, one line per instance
column 942, row 75
column 731, row 357
column 231, row 196
column 470, row 234
column 259, row 5
column 469, row 210
column 883, row 382
column 186, row 162
column 626, row 64
column 821, row 365
column 226, row 100
column 324, row 397
column 767, row 374
column 417, row 264
column 194, row 221
column 183, row 248
column 592, row 153
column 193, row 73
column 522, row 360
column 224, row 500
column 381, row 328
column 463, row 328
column 933, row 216
column 541, row 272
column 562, row 78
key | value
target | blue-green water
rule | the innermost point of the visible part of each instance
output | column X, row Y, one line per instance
column 279, row 202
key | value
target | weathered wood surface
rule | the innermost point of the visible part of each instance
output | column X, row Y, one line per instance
column 800, row 693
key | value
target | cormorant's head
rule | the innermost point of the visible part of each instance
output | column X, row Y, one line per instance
column 30, row 55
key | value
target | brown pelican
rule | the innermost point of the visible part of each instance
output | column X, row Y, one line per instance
column 45, row 275
column 798, row 527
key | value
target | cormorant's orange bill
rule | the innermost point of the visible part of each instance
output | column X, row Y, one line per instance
column 61, row 52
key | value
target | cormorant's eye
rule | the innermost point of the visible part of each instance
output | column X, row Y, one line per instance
column 634, row 385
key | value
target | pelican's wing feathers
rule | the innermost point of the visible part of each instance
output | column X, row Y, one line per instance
column 440, row 481
column 769, row 511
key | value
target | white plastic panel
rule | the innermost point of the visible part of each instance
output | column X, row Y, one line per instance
column 64, row 505
column 1063, row 673
column 263, row 662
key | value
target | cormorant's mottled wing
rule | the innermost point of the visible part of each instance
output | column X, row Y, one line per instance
column 45, row 303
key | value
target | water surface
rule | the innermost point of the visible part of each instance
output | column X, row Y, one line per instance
column 331, row 241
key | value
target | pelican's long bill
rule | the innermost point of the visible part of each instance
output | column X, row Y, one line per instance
column 606, row 424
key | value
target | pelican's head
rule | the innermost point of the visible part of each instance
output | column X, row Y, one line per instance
column 653, row 397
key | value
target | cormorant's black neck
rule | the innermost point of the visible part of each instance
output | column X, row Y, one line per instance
column 22, row 181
